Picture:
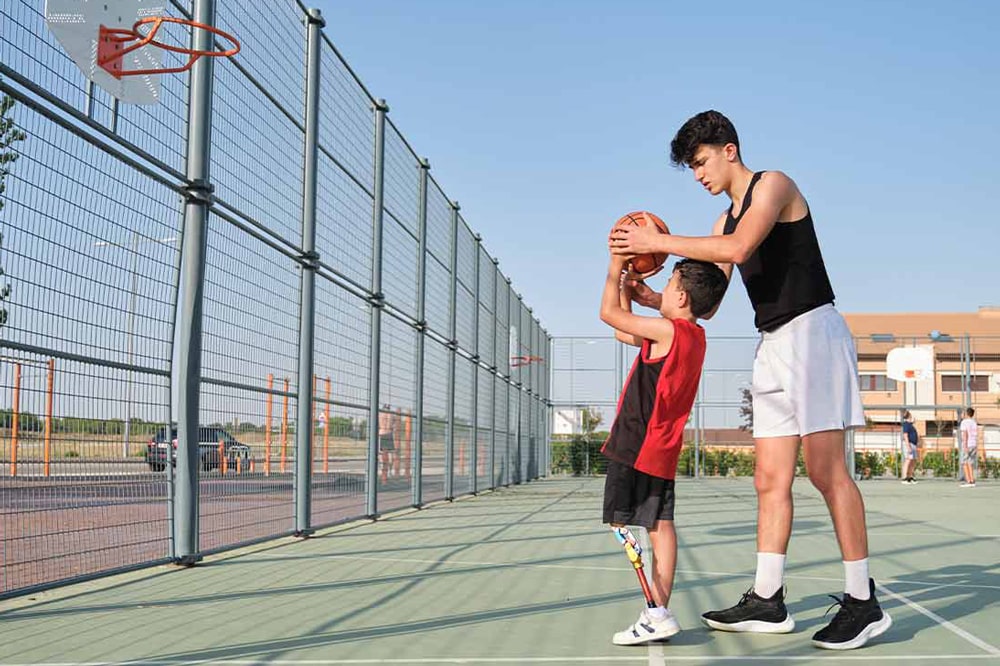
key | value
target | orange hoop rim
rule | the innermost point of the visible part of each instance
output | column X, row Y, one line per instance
column 106, row 58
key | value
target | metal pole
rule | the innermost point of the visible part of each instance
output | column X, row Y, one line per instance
column 968, row 370
column 449, row 439
column 418, row 399
column 474, row 453
column 494, row 376
column 377, row 300
column 310, row 262
column 519, row 385
column 697, row 425
column 131, row 334
column 509, row 373
column 188, row 335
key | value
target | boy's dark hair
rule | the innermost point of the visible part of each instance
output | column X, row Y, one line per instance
column 970, row 412
column 708, row 127
column 704, row 282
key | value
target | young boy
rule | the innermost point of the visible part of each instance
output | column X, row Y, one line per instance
column 970, row 460
column 805, row 373
column 645, row 440
column 910, row 439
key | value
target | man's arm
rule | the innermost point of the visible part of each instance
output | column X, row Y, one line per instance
column 646, row 297
column 773, row 193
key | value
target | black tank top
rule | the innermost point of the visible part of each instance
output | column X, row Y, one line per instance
column 785, row 276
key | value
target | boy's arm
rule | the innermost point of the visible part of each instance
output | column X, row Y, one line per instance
column 774, row 191
column 613, row 314
column 625, row 301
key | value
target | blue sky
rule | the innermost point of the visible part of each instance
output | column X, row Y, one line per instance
column 547, row 120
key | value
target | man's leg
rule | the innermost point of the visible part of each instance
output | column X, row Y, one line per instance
column 774, row 473
column 663, row 538
column 827, row 469
column 860, row 617
column 762, row 609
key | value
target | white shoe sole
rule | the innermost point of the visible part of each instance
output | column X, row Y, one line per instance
column 754, row 626
column 868, row 633
column 626, row 637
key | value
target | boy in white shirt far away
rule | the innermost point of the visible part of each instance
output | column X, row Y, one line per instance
column 969, row 457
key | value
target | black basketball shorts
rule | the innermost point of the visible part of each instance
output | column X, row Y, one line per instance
column 632, row 497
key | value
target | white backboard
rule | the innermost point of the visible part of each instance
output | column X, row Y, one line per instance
column 76, row 25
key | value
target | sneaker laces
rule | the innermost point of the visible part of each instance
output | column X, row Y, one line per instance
column 845, row 615
column 745, row 599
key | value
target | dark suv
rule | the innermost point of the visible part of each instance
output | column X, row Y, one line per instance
column 208, row 449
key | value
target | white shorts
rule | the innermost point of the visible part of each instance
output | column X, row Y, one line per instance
column 805, row 377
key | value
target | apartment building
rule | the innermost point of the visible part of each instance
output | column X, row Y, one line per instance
column 964, row 352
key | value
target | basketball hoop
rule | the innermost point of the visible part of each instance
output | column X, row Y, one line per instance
column 518, row 361
column 111, row 46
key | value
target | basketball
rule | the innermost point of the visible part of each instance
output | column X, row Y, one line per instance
column 644, row 265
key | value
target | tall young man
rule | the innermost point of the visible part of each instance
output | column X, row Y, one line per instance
column 805, row 378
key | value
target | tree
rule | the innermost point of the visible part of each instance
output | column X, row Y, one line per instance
column 10, row 134
column 589, row 420
column 746, row 409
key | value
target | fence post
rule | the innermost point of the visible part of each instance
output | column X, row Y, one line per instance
column 310, row 263
column 494, row 376
column 518, row 384
column 449, row 438
column 418, row 393
column 49, row 385
column 474, row 444
column 377, row 300
column 15, row 415
column 510, row 378
column 187, row 342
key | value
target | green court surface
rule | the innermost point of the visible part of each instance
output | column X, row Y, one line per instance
column 528, row 575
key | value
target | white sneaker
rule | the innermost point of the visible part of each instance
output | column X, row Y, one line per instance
column 647, row 629
column 967, row 485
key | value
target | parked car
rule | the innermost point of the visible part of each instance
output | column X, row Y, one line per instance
column 208, row 449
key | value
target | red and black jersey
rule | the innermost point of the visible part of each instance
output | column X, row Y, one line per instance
column 648, row 431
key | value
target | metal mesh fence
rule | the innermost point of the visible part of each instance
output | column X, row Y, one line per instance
column 200, row 348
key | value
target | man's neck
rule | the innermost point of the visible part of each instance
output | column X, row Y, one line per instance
column 738, row 185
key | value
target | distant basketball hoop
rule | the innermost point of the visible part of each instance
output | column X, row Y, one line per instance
column 910, row 364
column 518, row 361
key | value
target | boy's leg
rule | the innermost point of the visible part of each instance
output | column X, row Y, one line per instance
column 860, row 617
column 663, row 538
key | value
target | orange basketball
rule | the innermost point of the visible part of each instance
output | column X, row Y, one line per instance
column 644, row 265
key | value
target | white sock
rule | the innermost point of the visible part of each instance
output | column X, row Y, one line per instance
column 658, row 613
column 856, row 579
column 770, row 574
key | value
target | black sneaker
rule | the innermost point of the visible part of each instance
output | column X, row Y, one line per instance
column 855, row 622
column 753, row 613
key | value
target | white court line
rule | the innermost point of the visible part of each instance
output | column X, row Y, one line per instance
column 594, row 567
column 962, row 633
column 522, row 660
column 655, row 650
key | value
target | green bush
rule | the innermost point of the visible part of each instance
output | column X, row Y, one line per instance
column 578, row 455
column 942, row 463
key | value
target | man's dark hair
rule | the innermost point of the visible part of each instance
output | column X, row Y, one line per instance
column 704, row 282
column 708, row 127
column 970, row 412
